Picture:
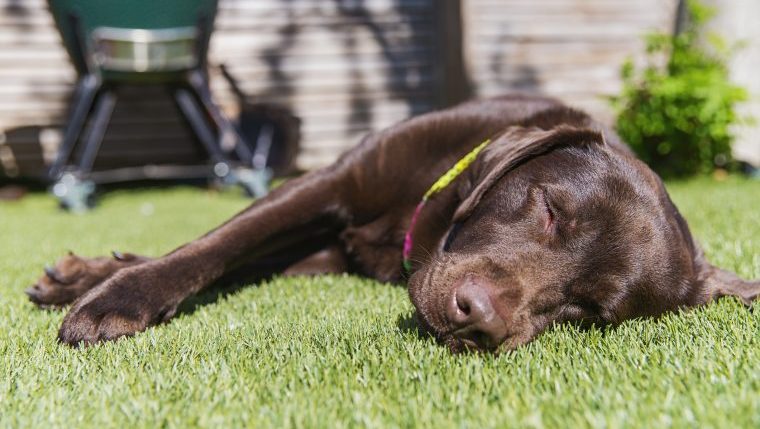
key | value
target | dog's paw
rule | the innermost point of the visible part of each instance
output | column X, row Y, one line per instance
column 73, row 275
column 123, row 305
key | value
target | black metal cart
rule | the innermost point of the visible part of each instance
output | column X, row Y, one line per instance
column 116, row 42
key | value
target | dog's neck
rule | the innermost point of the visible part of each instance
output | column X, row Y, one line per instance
column 444, row 181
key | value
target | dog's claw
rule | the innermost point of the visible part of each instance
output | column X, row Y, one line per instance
column 52, row 274
column 123, row 257
column 36, row 295
column 32, row 293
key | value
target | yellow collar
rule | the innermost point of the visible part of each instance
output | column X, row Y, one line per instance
column 442, row 182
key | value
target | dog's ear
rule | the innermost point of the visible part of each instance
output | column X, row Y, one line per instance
column 511, row 148
column 715, row 282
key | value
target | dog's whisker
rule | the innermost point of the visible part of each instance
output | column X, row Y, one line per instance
column 426, row 258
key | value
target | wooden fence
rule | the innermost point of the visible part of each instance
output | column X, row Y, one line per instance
column 344, row 67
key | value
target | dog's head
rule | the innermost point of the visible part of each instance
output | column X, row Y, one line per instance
column 555, row 225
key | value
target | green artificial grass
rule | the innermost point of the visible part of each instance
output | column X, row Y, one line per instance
column 341, row 351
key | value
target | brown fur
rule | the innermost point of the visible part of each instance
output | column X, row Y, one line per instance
column 556, row 220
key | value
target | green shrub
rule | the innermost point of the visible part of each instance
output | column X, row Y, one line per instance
column 677, row 111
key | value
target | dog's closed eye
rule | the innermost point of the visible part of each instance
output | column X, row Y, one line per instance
column 550, row 218
column 451, row 235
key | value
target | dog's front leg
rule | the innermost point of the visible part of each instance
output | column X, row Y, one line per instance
column 140, row 296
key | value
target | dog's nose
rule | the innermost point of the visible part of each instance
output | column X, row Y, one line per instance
column 475, row 320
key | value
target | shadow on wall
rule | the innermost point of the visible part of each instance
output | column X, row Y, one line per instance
column 404, row 46
column 522, row 78
column 19, row 12
column 146, row 129
column 258, row 119
column 401, row 82
column 405, row 65
column 21, row 153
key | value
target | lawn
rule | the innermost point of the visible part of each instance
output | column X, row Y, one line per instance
column 341, row 351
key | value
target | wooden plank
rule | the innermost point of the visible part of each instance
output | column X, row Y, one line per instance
column 339, row 58
column 323, row 81
column 571, row 49
column 375, row 6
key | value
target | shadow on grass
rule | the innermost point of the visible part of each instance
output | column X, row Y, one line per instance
column 408, row 325
column 212, row 295
column 250, row 276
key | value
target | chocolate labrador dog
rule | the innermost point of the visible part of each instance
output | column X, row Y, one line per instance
column 554, row 220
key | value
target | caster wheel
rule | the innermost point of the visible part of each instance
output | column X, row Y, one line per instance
column 222, row 176
column 73, row 194
column 255, row 183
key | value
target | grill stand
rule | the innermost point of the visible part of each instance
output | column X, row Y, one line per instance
column 93, row 102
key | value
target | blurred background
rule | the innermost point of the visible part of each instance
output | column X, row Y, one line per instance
column 347, row 67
